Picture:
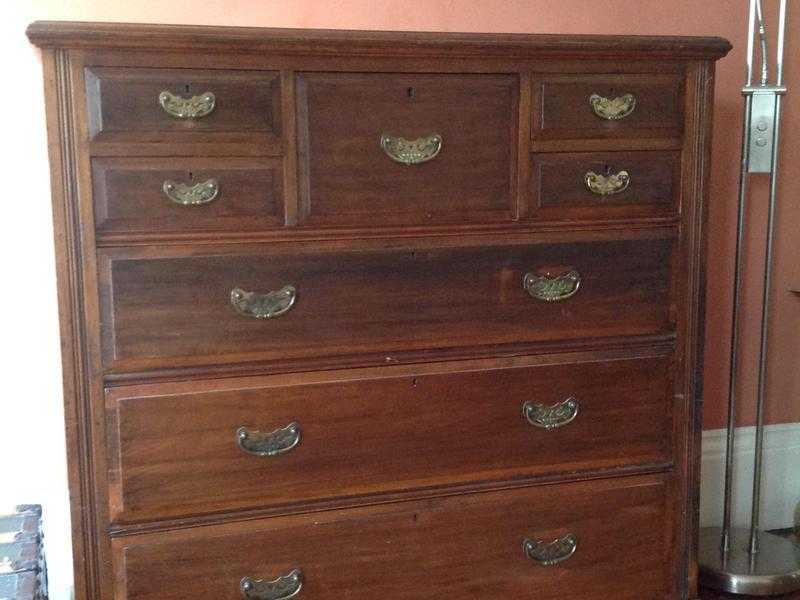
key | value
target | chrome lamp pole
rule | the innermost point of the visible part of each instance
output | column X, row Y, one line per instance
column 738, row 560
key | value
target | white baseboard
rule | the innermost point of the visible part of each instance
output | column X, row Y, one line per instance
column 781, row 479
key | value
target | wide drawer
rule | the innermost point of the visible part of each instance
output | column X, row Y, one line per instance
column 212, row 308
column 281, row 441
column 167, row 105
column 186, row 194
column 613, row 542
column 398, row 148
column 607, row 106
column 605, row 185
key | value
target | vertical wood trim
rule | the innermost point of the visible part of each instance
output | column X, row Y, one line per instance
column 76, row 379
column 84, row 217
column 524, row 148
column 289, row 118
column 693, row 240
column 303, row 166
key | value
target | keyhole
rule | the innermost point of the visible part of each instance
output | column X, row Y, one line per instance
column 191, row 176
column 607, row 169
column 412, row 93
column 186, row 88
column 414, row 382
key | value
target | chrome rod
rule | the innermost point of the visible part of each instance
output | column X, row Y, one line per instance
column 781, row 44
column 762, row 367
column 751, row 29
column 734, row 351
column 762, row 38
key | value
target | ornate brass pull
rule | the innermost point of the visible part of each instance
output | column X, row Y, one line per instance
column 411, row 152
column 263, row 306
column 552, row 288
column 613, row 109
column 607, row 185
column 274, row 443
column 551, row 417
column 191, row 195
column 548, row 554
column 282, row 588
column 179, row 107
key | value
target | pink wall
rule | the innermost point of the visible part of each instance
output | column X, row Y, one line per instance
column 685, row 17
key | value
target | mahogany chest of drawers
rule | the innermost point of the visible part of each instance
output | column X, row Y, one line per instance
column 380, row 315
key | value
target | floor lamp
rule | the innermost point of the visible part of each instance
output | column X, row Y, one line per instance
column 737, row 560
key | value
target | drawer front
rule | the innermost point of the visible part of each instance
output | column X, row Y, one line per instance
column 163, row 312
column 186, row 194
column 607, row 106
column 608, row 185
column 355, row 168
column 614, row 544
column 180, row 453
column 165, row 105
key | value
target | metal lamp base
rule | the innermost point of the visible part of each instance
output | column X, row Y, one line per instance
column 773, row 570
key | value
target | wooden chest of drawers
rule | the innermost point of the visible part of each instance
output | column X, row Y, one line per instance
column 379, row 315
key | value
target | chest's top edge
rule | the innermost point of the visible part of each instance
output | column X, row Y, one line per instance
column 67, row 34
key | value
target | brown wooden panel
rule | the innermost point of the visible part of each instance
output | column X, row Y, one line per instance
column 562, row 108
column 559, row 189
column 260, row 41
column 176, row 453
column 129, row 195
column 177, row 312
column 349, row 179
column 455, row 547
column 125, row 101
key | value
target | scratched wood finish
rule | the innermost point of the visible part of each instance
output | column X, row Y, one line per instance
column 176, row 311
column 448, row 547
column 129, row 194
column 351, row 180
column 176, row 454
column 101, row 84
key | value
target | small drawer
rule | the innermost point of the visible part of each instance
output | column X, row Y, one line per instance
column 177, row 105
column 19, row 556
column 601, row 186
column 267, row 443
column 186, row 194
column 19, row 586
column 23, row 526
column 607, row 106
column 592, row 540
column 282, row 303
column 392, row 149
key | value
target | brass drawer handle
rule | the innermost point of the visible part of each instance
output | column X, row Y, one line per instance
column 548, row 554
column 263, row 306
column 191, row 195
column 551, row 417
column 613, row 109
column 179, row 107
column 552, row 288
column 274, row 443
column 282, row 588
column 607, row 185
column 411, row 152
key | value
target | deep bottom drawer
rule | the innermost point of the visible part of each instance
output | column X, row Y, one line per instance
column 614, row 544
